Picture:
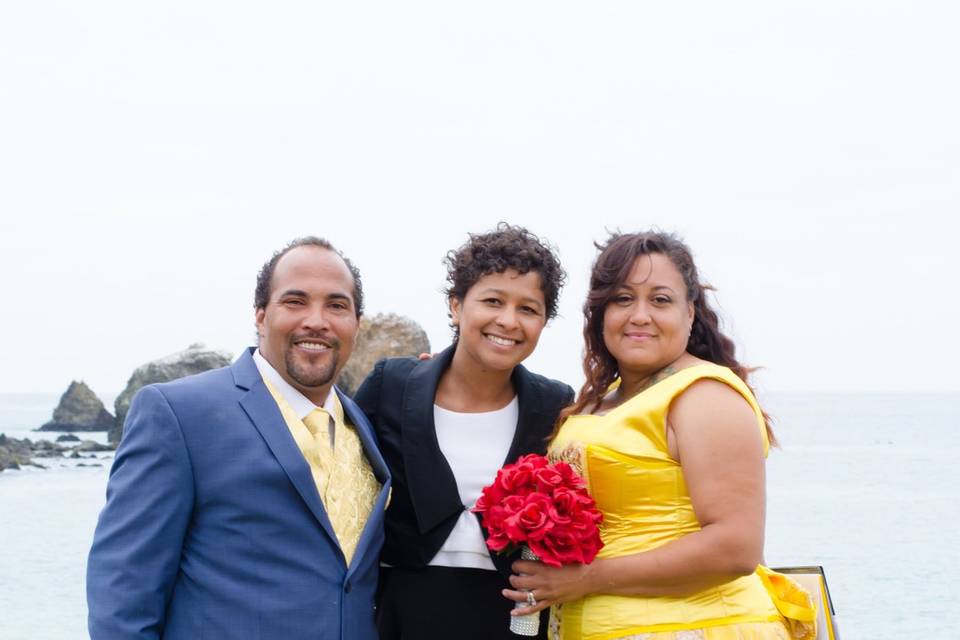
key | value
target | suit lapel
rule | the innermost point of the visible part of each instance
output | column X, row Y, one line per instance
column 265, row 415
column 365, row 433
column 375, row 520
column 432, row 485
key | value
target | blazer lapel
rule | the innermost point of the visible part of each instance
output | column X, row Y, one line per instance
column 432, row 485
column 265, row 415
column 529, row 436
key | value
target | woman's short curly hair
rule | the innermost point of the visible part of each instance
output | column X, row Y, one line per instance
column 506, row 247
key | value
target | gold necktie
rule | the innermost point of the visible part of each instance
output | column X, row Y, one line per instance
column 345, row 480
column 317, row 423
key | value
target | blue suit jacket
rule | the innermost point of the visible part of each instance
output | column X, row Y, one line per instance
column 213, row 527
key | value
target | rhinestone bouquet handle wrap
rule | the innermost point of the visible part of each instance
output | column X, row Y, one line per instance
column 528, row 625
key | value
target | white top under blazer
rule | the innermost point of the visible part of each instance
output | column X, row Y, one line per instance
column 475, row 446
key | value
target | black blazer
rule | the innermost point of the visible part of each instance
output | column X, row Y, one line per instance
column 398, row 397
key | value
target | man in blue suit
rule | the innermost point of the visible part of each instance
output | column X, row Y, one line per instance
column 248, row 501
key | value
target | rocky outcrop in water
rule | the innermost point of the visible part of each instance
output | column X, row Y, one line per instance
column 16, row 453
column 79, row 410
column 382, row 336
column 195, row 359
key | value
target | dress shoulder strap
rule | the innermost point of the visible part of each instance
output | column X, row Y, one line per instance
column 665, row 391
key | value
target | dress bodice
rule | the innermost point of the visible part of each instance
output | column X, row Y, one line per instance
column 640, row 490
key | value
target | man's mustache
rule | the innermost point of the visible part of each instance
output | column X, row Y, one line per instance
column 329, row 341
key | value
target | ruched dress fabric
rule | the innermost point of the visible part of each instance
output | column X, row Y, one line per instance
column 642, row 494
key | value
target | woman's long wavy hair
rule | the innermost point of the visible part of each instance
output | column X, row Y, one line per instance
column 610, row 271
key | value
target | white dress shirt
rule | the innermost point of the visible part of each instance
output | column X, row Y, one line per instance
column 301, row 404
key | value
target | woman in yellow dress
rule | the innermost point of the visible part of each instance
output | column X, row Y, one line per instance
column 672, row 443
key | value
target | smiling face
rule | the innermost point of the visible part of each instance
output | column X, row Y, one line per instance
column 646, row 325
column 499, row 320
column 309, row 325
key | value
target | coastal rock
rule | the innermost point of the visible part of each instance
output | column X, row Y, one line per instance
column 46, row 449
column 88, row 446
column 382, row 336
column 195, row 359
column 14, row 452
column 79, row 410
column 68, row 437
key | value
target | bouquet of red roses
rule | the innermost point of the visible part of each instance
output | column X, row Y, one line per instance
column 545, row 507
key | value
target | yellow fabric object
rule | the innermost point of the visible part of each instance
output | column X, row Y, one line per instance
column 793, row 602
column 345, row 481
column 641, row 491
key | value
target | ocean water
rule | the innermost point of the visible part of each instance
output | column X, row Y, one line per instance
column 864, row 484
column 867, row 486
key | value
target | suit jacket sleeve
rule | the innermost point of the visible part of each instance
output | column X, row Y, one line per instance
column 136, row 549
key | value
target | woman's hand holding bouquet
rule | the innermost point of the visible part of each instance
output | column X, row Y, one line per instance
column 544, row 509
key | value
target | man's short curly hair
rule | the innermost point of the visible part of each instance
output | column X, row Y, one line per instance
column 506, row 247
column 261, row 295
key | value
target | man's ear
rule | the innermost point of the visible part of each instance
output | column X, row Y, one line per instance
column 258, row 318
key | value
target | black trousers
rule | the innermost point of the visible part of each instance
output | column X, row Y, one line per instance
column 437, row 603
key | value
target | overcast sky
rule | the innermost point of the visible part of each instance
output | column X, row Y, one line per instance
column 154, row 155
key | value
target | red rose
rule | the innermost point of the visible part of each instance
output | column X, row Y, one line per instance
column 482, row 503
column 491, row 496
column 565, row 501
column 582, row 523
column 493, row 519
column 547, row 479
column 558, row 548
column 531, row 521
column 534, row 518
column 535, row 460
column 515, row 480
column 591, row 545
column 513, row 504
column 498, row 541
column 570, row 477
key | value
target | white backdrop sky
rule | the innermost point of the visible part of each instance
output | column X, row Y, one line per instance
column 154, row 155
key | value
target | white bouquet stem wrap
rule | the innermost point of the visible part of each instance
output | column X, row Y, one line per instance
column 528, row 625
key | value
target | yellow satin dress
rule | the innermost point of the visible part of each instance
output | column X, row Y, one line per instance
column 641, row 491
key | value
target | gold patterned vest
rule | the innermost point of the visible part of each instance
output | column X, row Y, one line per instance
column 343, row 476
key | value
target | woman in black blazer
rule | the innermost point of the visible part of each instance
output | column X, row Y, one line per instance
column 447, row 424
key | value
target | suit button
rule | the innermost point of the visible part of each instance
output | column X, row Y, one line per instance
column 347, row 587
